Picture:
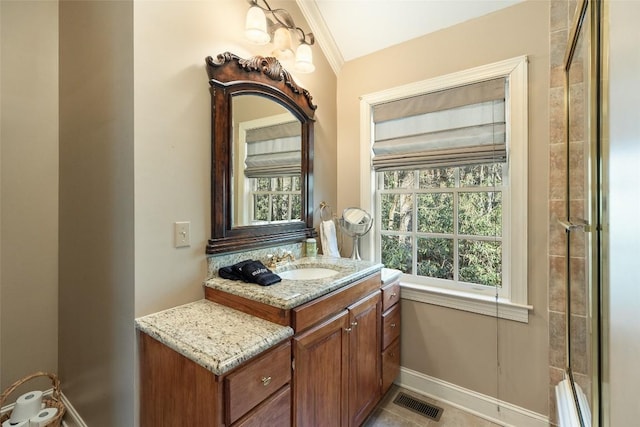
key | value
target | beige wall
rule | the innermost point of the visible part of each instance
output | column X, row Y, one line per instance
column 29, row 189
column 96, row 339
column 451, row 345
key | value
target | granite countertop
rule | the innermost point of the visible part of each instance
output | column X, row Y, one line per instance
column 289, row 294
column 216, row 337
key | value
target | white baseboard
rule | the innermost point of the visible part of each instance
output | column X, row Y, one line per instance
column 489, row 408
column 71, row 417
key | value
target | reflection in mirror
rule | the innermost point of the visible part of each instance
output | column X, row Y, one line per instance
column 267, row 158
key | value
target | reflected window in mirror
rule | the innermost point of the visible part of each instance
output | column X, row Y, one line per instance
column 268, row 160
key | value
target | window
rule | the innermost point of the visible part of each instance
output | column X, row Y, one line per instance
column 447, row 178
column 275, row 199
column 443, row 226
column 269, row 154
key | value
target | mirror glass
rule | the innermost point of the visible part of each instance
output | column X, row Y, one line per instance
column 266, row 171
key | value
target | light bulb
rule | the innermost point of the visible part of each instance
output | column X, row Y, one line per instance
column 304, row 59
column 282, row 43
column 255, row 28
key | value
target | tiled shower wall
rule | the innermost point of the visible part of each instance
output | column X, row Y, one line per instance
column 561, row 18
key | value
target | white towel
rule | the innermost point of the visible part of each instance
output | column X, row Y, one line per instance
column 329, row 239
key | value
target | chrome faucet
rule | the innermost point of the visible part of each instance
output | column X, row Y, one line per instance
column 274, row 261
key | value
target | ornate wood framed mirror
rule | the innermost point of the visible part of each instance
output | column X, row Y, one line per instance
column 261, row 154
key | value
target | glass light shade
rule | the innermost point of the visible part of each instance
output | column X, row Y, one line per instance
column 304, row 59
column 255, row 28
column 282, row 43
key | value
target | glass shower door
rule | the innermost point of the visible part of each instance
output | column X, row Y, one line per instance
column 582, row 221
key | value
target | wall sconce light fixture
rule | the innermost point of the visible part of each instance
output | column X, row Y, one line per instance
column 264, row 24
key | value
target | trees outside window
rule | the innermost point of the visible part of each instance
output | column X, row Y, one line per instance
column 443, row 223
column 276, row 199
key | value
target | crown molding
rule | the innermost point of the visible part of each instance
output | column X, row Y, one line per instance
column 324, row 39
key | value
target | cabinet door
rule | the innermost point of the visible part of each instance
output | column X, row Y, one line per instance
column 390, row 365
column 364, row 357
column 320, row 375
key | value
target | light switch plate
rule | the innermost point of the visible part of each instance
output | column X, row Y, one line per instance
column 182, row 234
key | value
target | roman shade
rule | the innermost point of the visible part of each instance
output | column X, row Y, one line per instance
column 458, row 126
column 273, row 151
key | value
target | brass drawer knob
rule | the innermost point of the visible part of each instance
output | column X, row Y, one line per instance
column 266, row 381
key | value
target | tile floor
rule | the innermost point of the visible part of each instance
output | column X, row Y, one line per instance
column 388, row 414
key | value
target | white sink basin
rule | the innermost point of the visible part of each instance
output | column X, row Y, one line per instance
column 314, row 273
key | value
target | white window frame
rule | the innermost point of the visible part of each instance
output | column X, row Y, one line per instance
column 271, row 193
column 515, row 305
column 244, row 198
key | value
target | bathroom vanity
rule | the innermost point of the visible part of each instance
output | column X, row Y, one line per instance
column 320, row 347
column 301, row 352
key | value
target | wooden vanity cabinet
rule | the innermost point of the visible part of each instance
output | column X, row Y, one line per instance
column 328, row 374
column 336, row 379
column 390, row 340
column 364, row 360
column 175, row 391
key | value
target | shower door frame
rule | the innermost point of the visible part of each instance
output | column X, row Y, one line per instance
column 588, row 13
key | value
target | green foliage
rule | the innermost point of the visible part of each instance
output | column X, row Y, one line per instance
column 396, row 253
column 261, row 207
column 437, row 178
column 435, row 258
column 435, row 213
column 437, row 195
column 480, row 262
column 277, row 198
column 480, row 213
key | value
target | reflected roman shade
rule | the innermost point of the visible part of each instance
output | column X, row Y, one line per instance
column 458, row 126
column 273, row 150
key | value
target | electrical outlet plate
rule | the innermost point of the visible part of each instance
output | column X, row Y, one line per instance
column 182, row 234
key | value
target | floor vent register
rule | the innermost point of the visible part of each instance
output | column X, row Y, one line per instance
column 418, row 406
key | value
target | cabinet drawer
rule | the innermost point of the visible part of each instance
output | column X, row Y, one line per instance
column 390, row 325
column 258, row 379
column 390, row 364
column 321, row 308
column 275, row 411
column 390, row 295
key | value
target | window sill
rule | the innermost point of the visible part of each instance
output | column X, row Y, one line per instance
column 466, row 302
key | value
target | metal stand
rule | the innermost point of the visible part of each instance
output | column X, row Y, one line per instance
column 355, row 252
